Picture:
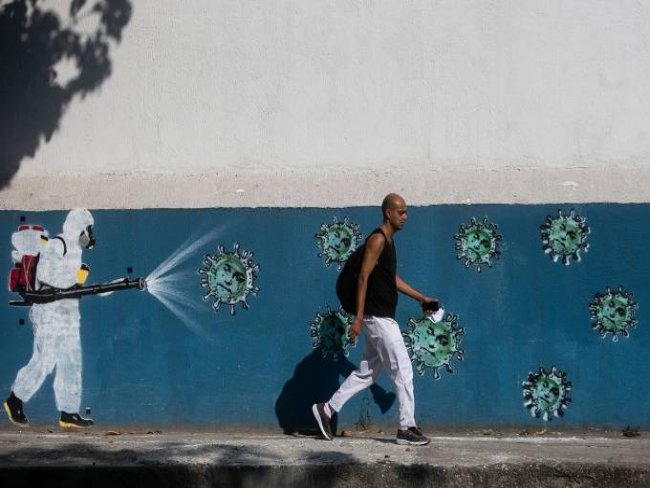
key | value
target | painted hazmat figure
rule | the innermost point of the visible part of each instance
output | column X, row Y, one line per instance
column 57, row 343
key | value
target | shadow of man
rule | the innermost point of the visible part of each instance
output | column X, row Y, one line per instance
column 33, row 41
column 314, row 380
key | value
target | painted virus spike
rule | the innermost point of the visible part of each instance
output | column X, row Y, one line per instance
column 564, row 237
column 434, row 345
column 329, row 333
column 546, row 394
column 477, row 244
column 421, row 368
column 613, row 312
column 337, row 241
column 229, row 278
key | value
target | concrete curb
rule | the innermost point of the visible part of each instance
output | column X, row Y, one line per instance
column 251, row 460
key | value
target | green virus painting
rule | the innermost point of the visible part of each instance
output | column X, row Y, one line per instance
column 228, row 277
column 329, row 333
column 477, row 243
column 434, row 345
column 613, row 313
column 564, row 237
column 337, row 241
column 546, row 394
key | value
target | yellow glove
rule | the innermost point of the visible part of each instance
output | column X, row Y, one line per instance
column 82, row 274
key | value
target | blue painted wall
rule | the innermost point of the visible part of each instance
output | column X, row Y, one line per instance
column 143, row 366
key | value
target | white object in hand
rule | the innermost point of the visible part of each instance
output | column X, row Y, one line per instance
column 437, row 315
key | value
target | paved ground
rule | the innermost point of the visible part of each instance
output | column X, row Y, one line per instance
column 483, row 458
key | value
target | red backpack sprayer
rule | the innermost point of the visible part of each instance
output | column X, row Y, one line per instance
column 27, row 241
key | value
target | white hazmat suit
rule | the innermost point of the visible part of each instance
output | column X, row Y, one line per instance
column 57, row 342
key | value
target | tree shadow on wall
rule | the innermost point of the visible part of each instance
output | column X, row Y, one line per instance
column 36, row 44
column 314, row 380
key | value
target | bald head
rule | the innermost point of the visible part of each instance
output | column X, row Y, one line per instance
column 391, row 202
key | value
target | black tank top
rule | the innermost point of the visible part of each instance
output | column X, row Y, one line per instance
column 381, row 296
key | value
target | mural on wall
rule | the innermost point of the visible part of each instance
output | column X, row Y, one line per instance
column 478, row 243
column 229, row 277
column 546, row 394
column 613, row 313
column 432, row 347
column 337, row 241
column 175, row 288
column 564, row 237
column 49, row 276
column 329, row 333
column 433, row 344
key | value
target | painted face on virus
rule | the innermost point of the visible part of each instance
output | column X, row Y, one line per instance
column 477, row 243
column 229, row 277
column 329, row 333
column 432, row 345
column 546, row 393
column 563, row 237
column 337, row 241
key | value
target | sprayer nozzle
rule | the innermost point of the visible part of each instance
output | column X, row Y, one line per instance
column 142, row 284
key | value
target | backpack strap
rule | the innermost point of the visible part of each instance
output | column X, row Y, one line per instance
column 378, row 230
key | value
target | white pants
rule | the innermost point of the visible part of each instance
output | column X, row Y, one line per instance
column 384, row 349
column 56, row 344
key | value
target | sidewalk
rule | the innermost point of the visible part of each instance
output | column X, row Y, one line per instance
column 38, row 457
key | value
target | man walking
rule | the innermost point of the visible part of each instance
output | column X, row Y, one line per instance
column 376, row 301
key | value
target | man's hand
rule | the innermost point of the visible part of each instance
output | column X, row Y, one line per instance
column 430, row 305
column 355, row 330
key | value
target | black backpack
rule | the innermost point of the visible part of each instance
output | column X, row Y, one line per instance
column 346, row 283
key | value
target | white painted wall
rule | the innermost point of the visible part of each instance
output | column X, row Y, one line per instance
column 431, row 87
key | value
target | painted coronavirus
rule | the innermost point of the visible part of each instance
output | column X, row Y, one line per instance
column 478, row 243
column 434, row 345
column 546, row 394
column 564, row 236
column 329, row 333
column 228, row 277
column 337, row 241
column 613, row 313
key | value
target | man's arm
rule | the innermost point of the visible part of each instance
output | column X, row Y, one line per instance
column 374, row 248
column 408, row 290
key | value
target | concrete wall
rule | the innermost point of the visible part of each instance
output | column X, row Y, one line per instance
column 219, row 123
column 277, row 99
